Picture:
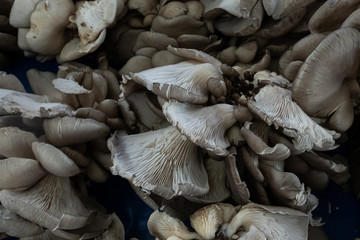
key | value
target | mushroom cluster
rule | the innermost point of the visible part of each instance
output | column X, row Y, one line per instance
column 200, row 105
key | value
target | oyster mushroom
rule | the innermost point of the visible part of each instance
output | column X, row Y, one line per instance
column 47, row 34
column 54, row 160
column 19, row 173
column 185, row 81
column 269, row 104
column 15, row 142
column 208, row 220
column 268, row 222
column 163, row 226
column 309, row 94
column 92, row 17
column 218, row 190
column 279, row 9
column 40, row 204
column 205, row 126
column 71, row 130
column 31, row 105
column 16, row 226
column 163, row 162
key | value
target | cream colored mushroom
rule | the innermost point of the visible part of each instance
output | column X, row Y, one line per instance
column 40, row 204
column 163, row 162
column 275, row 106
column 205, row 126
column 164, row 226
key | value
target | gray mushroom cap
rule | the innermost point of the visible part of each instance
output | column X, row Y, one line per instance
column 162, row 161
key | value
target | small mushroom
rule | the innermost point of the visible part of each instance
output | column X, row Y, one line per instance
column 71, row 130
column 54, row 160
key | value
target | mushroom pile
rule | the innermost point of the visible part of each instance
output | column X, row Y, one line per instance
column 200, row 105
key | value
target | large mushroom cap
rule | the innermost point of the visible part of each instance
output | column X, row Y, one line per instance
column 321, row 92
column 162, row 161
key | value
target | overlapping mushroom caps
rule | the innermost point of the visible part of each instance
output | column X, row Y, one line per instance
column 201, row 114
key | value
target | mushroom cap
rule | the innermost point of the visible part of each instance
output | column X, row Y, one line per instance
column 54, row 160
column 275, row 106
column 71, row 130
column 15, row 142
column 184, row 81
column 47, row 34
column 92, row 17
column 31, row 105
column 236, row 8
column 205, row 126
column 16, row 226
column 162, row 161
column 269, row 222
column 163, row 226
column 308, row 86
column 20, row 172
column 51, row 203
column 218, row 190
column 20, row 13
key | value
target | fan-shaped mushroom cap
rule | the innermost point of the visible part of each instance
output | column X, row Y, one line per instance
column 70, row 130
column 51, row 203
column 207, row 221
column 163, row 226
column 162, row 161
column 308, row 86
column 205, row 126
column 19, row 172
column 69, row 86
column 31, row 105
column 47, row 34
column 218, row 190
column 279, row 9
column 184, row 81
column 269, row 222
column 15, row 142
column 275, row 106
column 54, row 160
column 16, row 226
